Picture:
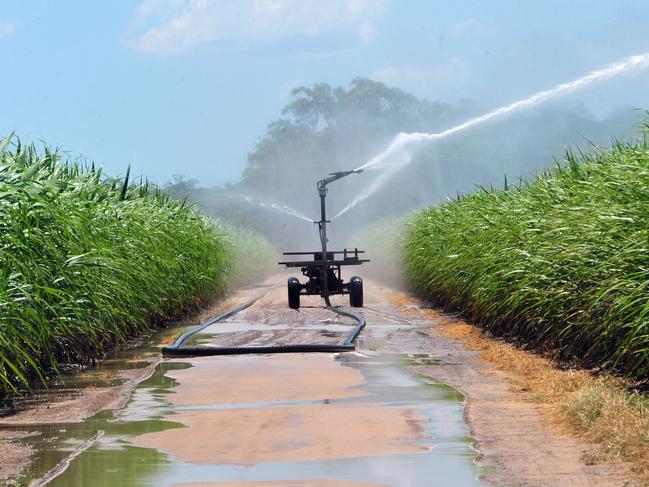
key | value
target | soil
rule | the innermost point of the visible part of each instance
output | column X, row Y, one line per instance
column 511, row 432
column 14, row 456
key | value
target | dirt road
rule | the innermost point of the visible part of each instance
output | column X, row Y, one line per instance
column 389, row 414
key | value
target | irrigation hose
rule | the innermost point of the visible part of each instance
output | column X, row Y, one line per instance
column 177, row 350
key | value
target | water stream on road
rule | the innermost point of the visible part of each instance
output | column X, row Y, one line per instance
column 389, row 381
column 114, row 461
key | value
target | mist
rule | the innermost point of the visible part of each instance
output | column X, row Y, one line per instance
column 414, row 153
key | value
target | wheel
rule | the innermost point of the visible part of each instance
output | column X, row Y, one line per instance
column 356, row 292
column 293, row 293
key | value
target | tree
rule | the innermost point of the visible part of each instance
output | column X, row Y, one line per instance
column 180, row 187
column 323, row 129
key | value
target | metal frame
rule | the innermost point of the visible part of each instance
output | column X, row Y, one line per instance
column 331, row 267
column 324, row 271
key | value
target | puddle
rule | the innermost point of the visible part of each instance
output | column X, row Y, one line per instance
column 442, row 451
column 421, row 359
column 112, row 461
column 357, row 417
column 104, row 374
column 373, row 342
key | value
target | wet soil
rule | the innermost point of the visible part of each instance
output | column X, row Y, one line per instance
column 74, row 398
column 515, row 440
column 249, row 436
column 263, row 378
column 15, row 456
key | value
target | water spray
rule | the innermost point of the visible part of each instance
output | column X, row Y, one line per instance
column 286, row 210
column 400, row 151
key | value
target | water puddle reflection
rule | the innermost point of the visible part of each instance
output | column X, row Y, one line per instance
column 443, row 453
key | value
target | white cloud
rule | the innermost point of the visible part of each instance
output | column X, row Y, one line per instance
column 463, row 27
column 367, row 32
column 172, row 26
column 147, row 7
column 7, row 27
column 438, row 83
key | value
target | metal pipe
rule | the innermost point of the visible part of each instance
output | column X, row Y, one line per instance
column 324, row 270
column 322, row 225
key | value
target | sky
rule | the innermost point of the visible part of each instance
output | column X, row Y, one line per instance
column 188, row 86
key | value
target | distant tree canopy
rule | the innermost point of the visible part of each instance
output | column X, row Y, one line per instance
column 338, row 128
column 324, row 129
column 180, row 187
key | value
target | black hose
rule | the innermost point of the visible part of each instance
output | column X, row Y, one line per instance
column 176, row 349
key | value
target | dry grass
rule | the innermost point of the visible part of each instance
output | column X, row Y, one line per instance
column 167, row 340
column 601, row 410
column 400, row 299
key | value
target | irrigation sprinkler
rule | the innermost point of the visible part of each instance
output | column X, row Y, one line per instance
column 324, row 271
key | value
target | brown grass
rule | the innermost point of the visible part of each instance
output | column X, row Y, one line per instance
column 602, row 410
column 400, row 299
column 168, row 340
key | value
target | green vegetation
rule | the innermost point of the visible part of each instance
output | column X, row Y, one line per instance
column 251, row 255
column 561, row 262
column 87, row 262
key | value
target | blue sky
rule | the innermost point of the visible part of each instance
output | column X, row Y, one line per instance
column 188, row 86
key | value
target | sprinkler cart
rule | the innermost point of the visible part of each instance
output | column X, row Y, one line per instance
column 323, row 271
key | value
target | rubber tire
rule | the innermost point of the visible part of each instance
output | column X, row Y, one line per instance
column 356, row 292
column 293, row 293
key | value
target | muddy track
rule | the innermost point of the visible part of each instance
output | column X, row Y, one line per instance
column 325, row 417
